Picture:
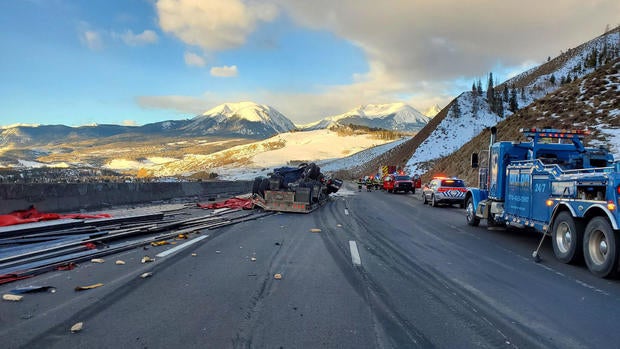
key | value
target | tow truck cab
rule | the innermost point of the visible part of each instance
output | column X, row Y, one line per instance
column 556, row 187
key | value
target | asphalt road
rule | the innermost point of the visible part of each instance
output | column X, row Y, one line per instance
column 420, row 278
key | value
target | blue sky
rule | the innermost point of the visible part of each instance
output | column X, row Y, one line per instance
column 140, row 61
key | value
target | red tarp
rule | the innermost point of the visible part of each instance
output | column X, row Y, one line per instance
column 245, row 204
column 32, row 215
column 6, row 278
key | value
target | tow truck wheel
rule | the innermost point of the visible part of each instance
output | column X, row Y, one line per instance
column 567, row 235
column 600, row 248
column 424, row 199
column 471, row 213
column 433, row 201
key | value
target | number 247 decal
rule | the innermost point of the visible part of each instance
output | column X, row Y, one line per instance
column 540, row 187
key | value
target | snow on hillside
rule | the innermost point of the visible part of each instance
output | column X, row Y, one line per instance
column 572, row 65
column 361, row 157
column 259, row 158
column 454, row 131
column 36, row 164
column 475, row 115
column 252, row 112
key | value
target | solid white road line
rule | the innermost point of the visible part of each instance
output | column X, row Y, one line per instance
column 355, row 255
column 181, row 246
column 346, row 211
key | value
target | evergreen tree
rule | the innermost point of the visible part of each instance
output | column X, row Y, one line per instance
column 490, row 89
column 473, row 87
column 491, row 93
column 498, row 104
column 513, row 105
column 552, row 79
column 505, row 93
column 456, row 109
column 523, row 94
column 479, row 87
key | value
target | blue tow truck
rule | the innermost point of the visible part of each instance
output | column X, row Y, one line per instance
column 554, row 185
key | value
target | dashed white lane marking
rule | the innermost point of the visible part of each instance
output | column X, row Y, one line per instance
column 181, row 246
column 355, row 255
column 346, row 212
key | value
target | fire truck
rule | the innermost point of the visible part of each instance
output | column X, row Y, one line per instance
column 554, row 185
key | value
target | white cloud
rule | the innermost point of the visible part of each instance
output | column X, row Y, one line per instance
column 224, row 71
column 193, row 59
column 91, row 39
column 131, row 39
column 418, row 51
column 424, row 40
column 213, row 24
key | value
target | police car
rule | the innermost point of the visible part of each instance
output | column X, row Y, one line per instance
column 443, row 190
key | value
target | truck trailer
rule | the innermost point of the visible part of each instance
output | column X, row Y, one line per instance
column 554, row 185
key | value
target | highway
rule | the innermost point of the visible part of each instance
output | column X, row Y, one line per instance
column 367, row 270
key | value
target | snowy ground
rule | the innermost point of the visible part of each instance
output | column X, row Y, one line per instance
column 326, row 148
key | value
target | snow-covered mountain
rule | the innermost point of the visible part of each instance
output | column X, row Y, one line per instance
column 432, row 111
column 393, row 116
column 243, row 118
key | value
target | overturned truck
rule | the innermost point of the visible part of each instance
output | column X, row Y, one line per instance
column 294, row 189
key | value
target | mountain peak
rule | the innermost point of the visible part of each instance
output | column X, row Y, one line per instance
column 432, row 111
column 390, row 116
column 245, row 118
column 244, row 110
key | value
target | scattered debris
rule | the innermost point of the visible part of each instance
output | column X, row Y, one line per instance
column 146, row 259
column 12, row 297
column 159, row 243
column 32, row 289
column 68, row 266
column 77, row 327
column 82, row 241
column 119, row 262
column 315, row 230
column 239, row 203
column 218, row 251
column 277, row 276
column 253, row 259
column 277, row 244
column 339, row 225
column 83, row 288
column 194, row 255
column 145, row 275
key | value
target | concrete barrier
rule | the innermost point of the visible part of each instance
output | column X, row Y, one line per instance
column 75, row 197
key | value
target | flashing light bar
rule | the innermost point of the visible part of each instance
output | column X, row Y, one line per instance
column 553, row 133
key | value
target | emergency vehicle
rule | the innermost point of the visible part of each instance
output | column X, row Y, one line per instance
column 395, row 182
column 555, row 185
